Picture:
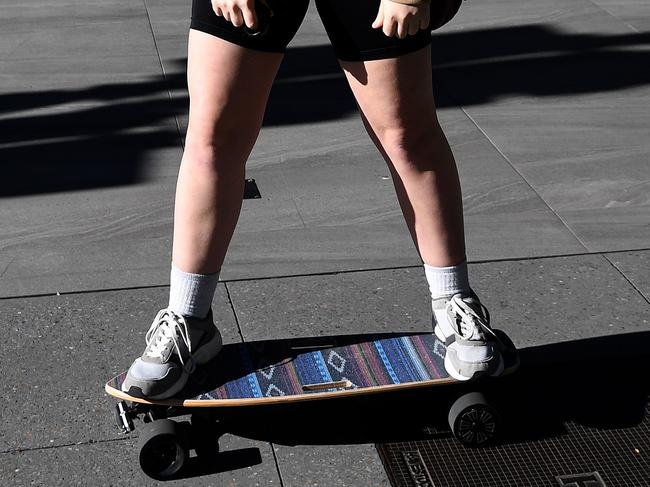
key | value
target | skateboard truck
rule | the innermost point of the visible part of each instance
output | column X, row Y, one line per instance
column 126, row 412
column 124, row 417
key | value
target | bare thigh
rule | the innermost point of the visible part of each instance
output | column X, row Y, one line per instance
column 229, row 87
column 395, row 96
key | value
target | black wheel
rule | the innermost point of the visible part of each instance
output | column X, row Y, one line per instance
column 473, row 421
column 162, row 449
column 205, row 437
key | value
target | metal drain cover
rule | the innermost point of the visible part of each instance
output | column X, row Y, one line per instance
column 592, row 479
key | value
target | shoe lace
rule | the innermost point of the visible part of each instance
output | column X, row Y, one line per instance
column 470, row 323
column 169, row 329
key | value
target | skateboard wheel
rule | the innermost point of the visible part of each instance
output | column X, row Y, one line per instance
column 162, row 450
column 473, row 421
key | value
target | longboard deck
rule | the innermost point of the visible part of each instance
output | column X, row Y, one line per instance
column 273, row 371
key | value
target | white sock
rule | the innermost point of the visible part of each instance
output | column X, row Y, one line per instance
column 191, row 294
column 444, row 282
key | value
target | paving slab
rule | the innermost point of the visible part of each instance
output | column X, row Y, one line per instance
column 63, row 349
column 87, row 240
column 30, row 16
column 337, row 194
column 635, row 13
column 130, row 36
column 245, row 463
column 345, row 197
column 536, row 302
column 634, row 266
column 331, row 465
column 575, row 137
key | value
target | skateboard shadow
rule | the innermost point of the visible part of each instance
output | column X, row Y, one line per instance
column 598, row 382
column 223, row 462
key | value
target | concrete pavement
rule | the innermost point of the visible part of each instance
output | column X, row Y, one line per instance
column 546, row 106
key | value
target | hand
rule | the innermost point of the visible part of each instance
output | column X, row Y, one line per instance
column 396, row 18
column 238, row 12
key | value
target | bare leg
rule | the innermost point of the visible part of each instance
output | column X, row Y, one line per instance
column 395, row 97
column 229, row 88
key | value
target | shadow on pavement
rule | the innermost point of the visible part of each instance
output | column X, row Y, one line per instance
column 227, row 461
column 598, row 382
column 94, row 146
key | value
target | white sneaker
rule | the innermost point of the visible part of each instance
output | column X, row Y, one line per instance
column 175, row 345
column 473, row 348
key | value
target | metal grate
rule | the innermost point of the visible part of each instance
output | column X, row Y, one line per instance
column 583, row 456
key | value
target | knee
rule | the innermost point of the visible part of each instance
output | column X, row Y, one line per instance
column 218, row 148
column 415, row 145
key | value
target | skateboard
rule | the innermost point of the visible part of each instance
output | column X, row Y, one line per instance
column 252, row 374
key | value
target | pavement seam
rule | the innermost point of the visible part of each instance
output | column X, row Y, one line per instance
column 277, row 464
column 4, row 271
column 615, row 16
column 65, row 445
column 234, row 311
column 327, row 273
column 630, row 282
column 164, row 73
column 241, row 335
column 512, row 166
column 286, row 184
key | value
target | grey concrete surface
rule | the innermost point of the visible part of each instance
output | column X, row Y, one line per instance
column 536, row 301
column 246, row 462
column 546, row 106
column 573, row 134
column 312, row 466
column 61, row 350
column 634, row 266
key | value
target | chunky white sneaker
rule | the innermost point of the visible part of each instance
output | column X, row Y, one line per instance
column 473, row 348
column 175, row 345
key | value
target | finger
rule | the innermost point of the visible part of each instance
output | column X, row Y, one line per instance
column 217, row 10
column 379, row 20
column 401, row 29
column 413, row 28
column 237, row 19
column 390, row 27
column 250, row 17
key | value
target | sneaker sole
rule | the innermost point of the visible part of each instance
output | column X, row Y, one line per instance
column 203, row 355
column 454, row 373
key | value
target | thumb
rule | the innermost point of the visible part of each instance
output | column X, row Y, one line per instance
column 379, row 20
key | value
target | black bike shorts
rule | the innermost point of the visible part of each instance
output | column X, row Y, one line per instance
column 347, row 22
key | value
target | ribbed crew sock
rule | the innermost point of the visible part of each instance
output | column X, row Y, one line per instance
column 444, row 282
column 191, row 294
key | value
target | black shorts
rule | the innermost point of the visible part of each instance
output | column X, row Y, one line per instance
column 347, row 22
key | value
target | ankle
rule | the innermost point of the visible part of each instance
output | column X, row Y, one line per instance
column 191, row 295
column 444, row 282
